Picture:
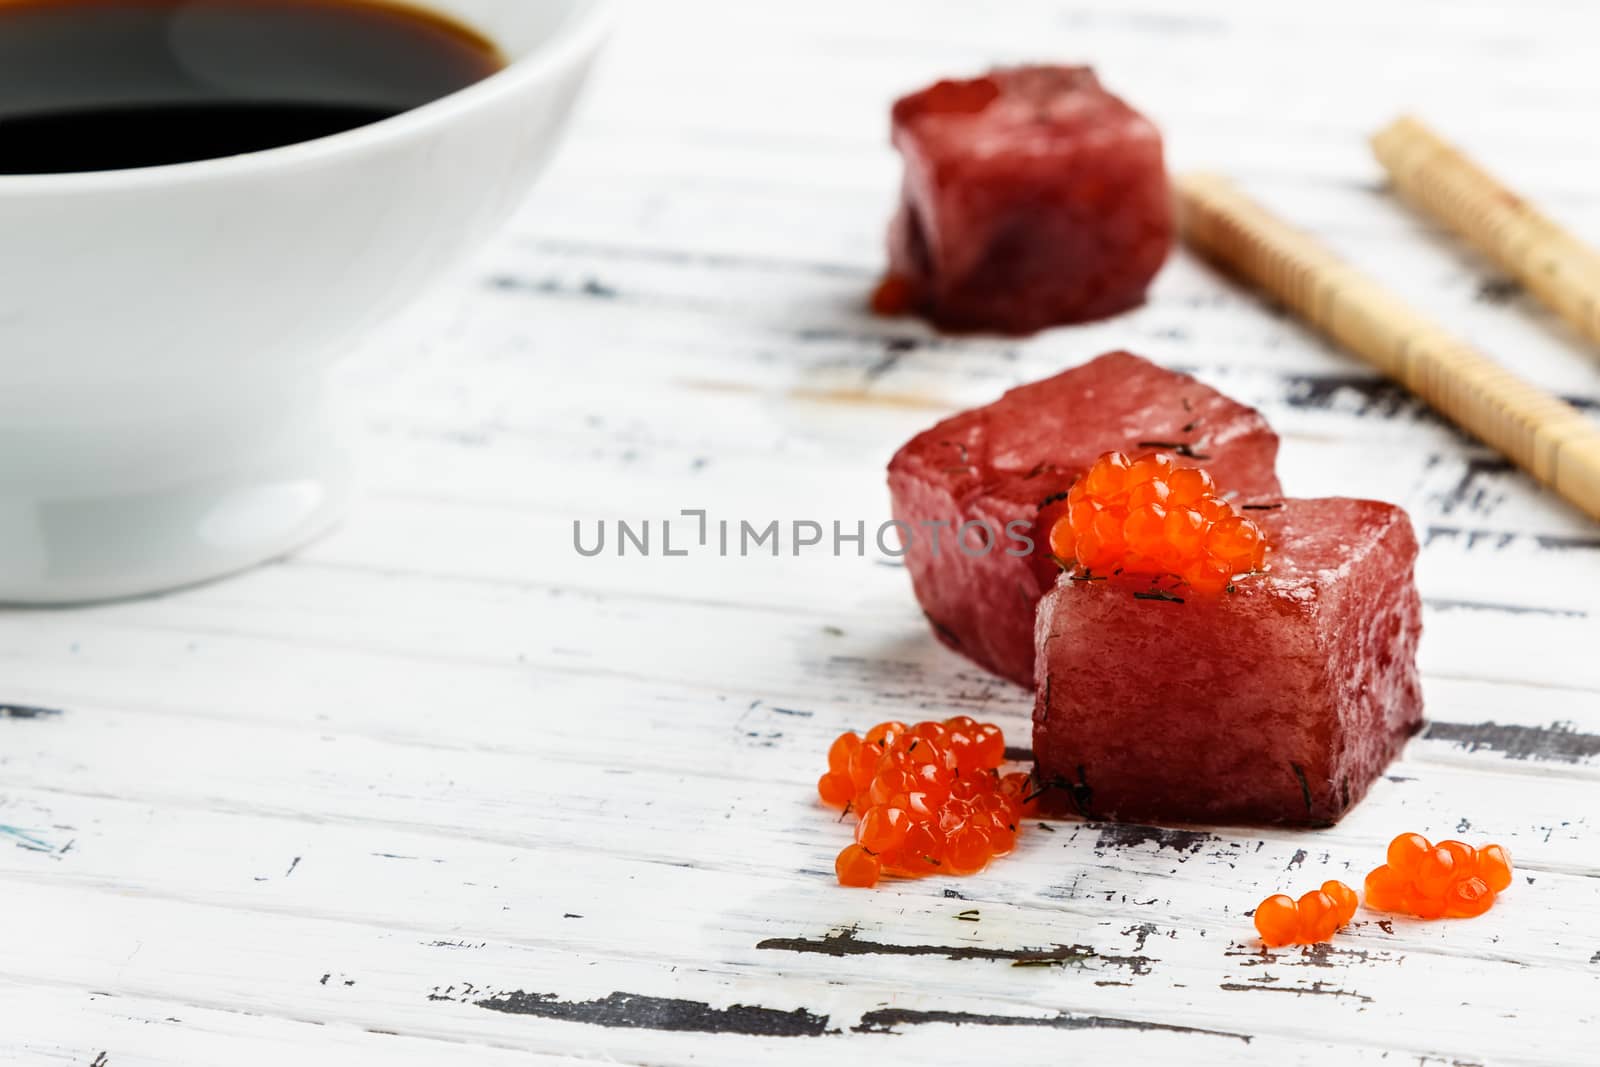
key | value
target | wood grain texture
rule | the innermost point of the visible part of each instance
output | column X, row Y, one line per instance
column 439, row 789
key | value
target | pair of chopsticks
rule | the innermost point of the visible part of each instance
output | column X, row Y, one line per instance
column 1546, row 436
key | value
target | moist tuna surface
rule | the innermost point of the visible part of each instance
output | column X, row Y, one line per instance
column 1031, row 197
column 1280, row 702
column 1002, row 463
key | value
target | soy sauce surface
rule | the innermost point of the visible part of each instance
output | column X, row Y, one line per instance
column 90, row 85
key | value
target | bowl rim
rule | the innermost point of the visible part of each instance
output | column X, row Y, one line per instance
column 577, row 36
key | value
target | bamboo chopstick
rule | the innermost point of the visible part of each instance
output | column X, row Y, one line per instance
column 1554, row 265
column 1550, row 438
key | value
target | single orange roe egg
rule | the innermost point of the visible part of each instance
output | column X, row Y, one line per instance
column 857, row 867
column 1319, row 917
column 1278, row 920
column 1386, row 890
column 1494, row 867
column 1406, row 852
column 840, row 751
column 1469, row 898
column 1146, row 516
column 1344, row 899
column 835, row 789
column 882, row 829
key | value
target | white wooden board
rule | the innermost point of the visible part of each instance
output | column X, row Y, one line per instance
column 439, row 790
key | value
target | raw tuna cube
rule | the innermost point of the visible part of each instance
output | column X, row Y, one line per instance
column 1279, row 702
column 1032, row 197
column 1002, row 463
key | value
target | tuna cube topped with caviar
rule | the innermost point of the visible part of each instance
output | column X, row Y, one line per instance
column 1032, row 197
column 1277, row 700
column 976, row 494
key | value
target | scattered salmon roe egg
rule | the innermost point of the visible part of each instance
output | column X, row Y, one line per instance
column 1434, row 873
column 1386, row 890
column 1406, row 852
column 1278, row 920
column 1319, row 917
column 1344, row 899
column 1433, row 881
column 1315, row 917
column 1469, row 898
column 840, row 751
column 928, row 798
column 967, row 851
column 857, row 867
column 1494, row 867
column 882, row 829
column 1146, row 516
column 835, row 789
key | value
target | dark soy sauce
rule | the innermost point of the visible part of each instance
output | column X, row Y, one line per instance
column 91, row 85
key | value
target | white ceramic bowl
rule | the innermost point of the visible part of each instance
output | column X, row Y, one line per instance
column 165, row 332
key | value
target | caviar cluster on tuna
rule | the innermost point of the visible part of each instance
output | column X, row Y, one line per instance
column 1448, row 880
column 1149, row 516
column 1315, row 917
column 928, row 799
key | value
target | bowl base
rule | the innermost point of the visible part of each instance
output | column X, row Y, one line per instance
column 150, row 501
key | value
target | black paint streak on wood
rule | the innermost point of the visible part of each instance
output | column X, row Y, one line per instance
column 1373, row 397
column 1018, row 753
column 1322, row 954
column 1132, row 835
column 292, row 865
column 591, row 288
column 1315, row 989
column 793, row 711
column 894, row 350
column 886, row 1020
column 634, row 1011
column 1440, row 604
column 1470, row 493
column 1499, row 539
column 23, row 711
column 1558, row 742
column 101, row 1060
column 1142, row 931
column 844, row 942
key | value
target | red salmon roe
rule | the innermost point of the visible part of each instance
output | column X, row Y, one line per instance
column 1282, row 920
column 856, row 866
column 1147, row 516
column 929, row 798
column 1433, row 881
